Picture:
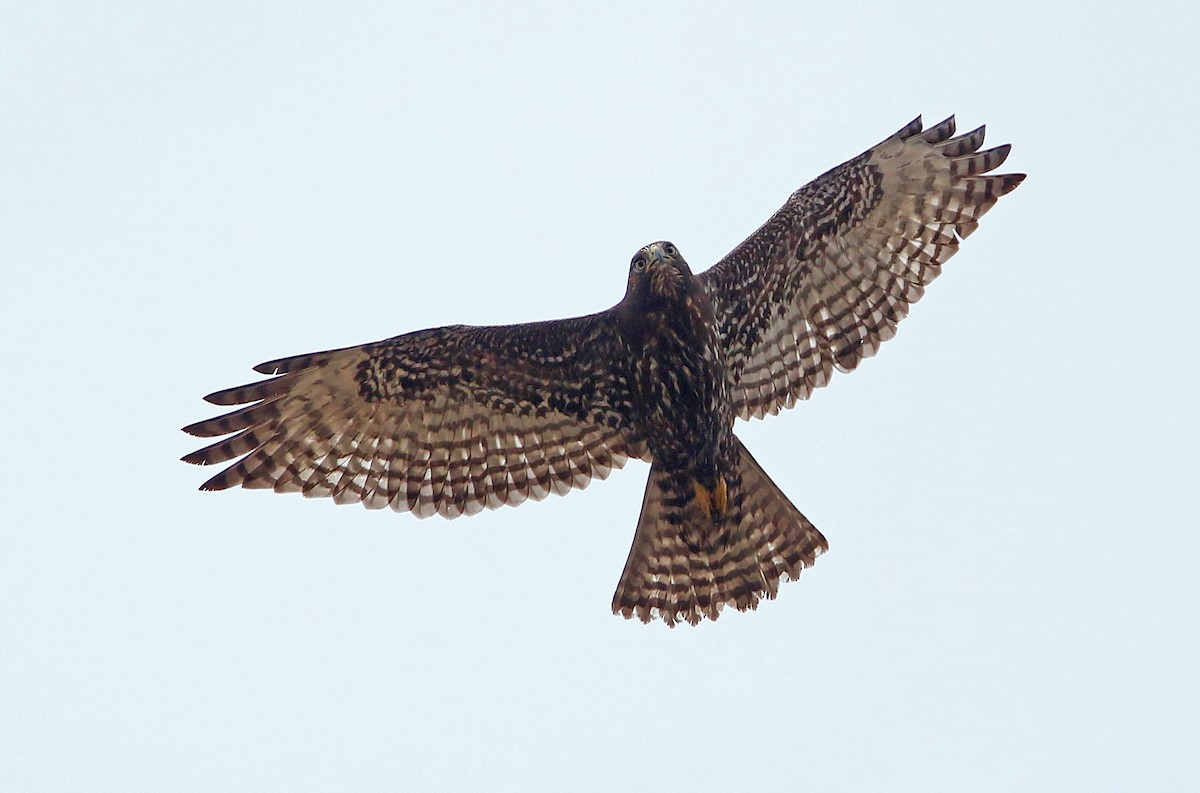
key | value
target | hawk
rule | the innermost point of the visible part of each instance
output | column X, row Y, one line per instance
column 451, row 420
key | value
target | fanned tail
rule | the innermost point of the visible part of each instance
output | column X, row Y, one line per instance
column 673, row 576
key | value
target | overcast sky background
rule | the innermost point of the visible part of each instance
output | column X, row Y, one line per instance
column 1009, row 488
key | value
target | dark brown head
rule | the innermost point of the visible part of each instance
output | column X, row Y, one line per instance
column 658, row 274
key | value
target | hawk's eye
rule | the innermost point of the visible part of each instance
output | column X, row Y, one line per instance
column 670, row 249
column 639, row 263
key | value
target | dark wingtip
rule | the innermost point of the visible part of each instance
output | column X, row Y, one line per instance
column 195, row 430
column 221, row 397
column 294, row 363
column 218, row 482
column 910, row 129
column 939, row 132
column 1011, row 181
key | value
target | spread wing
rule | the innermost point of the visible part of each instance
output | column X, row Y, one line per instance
column 825, row 281
column 448, row 420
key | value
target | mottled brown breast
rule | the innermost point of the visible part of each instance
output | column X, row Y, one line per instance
column 679, row 369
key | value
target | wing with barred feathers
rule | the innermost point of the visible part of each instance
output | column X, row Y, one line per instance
column 447, row 421
column 825, row 281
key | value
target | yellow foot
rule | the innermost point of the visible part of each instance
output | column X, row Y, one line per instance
column 711, row 501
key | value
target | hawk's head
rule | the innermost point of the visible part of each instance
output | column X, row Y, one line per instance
column 658, row 274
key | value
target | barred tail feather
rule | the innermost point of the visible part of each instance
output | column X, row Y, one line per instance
column 670, row 576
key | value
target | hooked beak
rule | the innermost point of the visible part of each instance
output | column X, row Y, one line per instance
column 666, row 275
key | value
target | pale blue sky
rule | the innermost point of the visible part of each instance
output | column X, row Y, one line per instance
column 1009, row 602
